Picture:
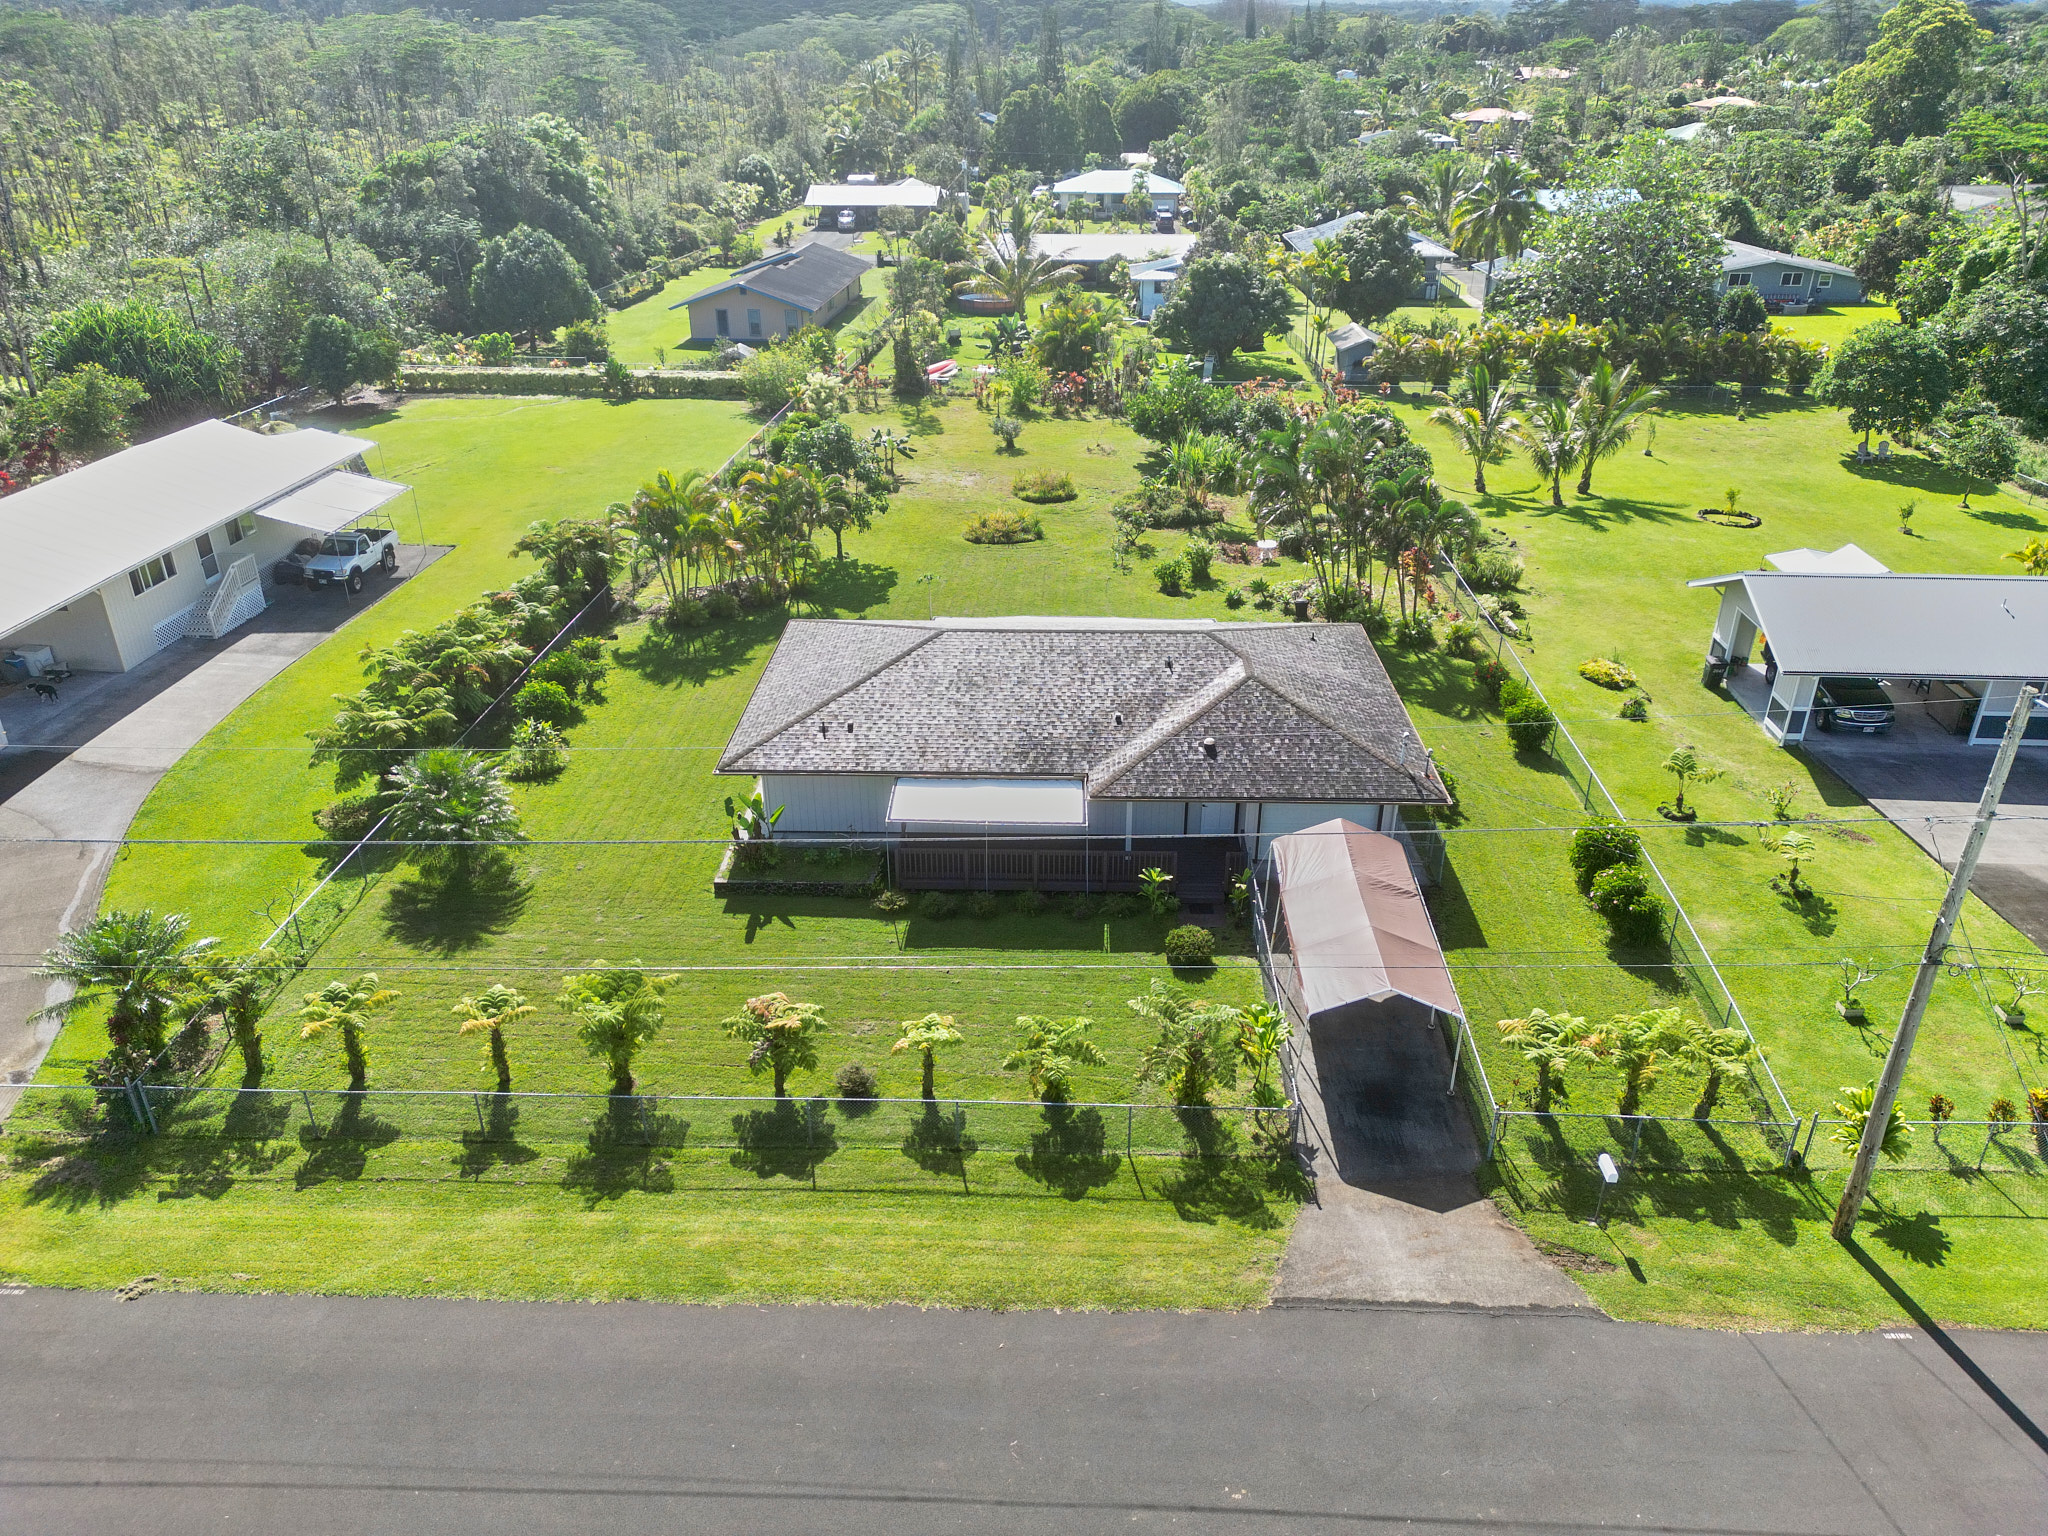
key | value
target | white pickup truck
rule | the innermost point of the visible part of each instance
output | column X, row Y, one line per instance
column 340, row 557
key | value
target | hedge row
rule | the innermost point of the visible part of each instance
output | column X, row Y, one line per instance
column 656, row 383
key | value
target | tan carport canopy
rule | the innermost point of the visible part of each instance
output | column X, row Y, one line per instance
column 1356, row 922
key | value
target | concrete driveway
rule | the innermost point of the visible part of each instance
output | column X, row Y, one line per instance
column 1918, row 771
column 75, row 773
column 1398, row 1218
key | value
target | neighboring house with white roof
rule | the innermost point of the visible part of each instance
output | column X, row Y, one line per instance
column 110, row 563
column 1154, row 281
column 1435, row 256
column 777, row 295
column 866, row 199
column 1070, row 753
column 1787, row 279
column 1106, row 190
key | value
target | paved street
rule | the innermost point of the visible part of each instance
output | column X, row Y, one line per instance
column 178, row 1413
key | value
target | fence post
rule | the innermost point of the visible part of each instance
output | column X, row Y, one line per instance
column 1982, row 1152
column 1634, row 1142
column 318, row 1134
column 1130, row 1117
column 1493, row 1135
column 646, row 1128
column 481, row 1128
column 810, row 1146
column 142, row 1097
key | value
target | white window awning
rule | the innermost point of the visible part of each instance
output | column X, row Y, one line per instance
column 332, row 502
column 1014, row 802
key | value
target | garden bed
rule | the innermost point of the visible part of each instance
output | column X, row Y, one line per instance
column 856, row 876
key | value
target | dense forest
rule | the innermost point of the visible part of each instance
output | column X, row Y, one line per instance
column 212, row 202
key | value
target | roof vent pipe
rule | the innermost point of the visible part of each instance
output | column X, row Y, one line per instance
column 1404, row 749
column 1208, row 746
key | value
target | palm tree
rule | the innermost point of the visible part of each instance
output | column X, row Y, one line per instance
column 1050, row 1051
column 452, row 805
column 1005, row 264
column 497, row 1006
column 618, row 1009
column 1718, row 1053
column 238, row 990
column 1551, row 439
column 1446, row 180
column 1480, row 417
column 1550, row 1042
column 1259, row 1038
column 927, row 1036
column 783, row 1033
column 344, row 1007
column 1684, row 765
column 1493, row 217
column 1797, row 849
column 667, row 517
column 1607, row 408
column 135, row 962
column 1194, row 1049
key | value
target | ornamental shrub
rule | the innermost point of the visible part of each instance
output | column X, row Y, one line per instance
column 1188, row 947
column 721, row 607
column 1172, row 576
column 1003, row 528
column 1528, row 718
column 982, row 904
column 854, row 1081
column 1601, row 843
column 891, row 903
column 1621, row 894
column 1493, row 570
column 545, row 701
column 1607, row 672
column 1043, row 486
column 938, row 905
column 1031, row 903
column 1198, row 556
column 538, row 752
column 1492, row 673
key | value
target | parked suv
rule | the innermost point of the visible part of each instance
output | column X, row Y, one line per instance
column 1852, row 704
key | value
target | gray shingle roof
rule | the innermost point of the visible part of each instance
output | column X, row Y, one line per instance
column 1295, row 711
column 805, row 277
column 1735, row 255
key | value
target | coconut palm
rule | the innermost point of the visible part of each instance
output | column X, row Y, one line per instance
column 618, row 1010
column 1717, row 1053
column 1479, row 415
column 783, row 1033
column 1004, row 263
column 1445, row 181
column 927, row 1036
column 1050, row 1051
column 1493, row 217
column 495, row 1007
column 1607, row 408
column 1195, row 1048
column 1551, row 440
column 344, row 1008
column 137, row 963
column 452, row 806
column 1552, row 1043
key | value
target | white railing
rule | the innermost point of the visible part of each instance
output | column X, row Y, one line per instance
column 237, row 598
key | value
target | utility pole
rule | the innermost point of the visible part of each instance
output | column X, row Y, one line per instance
column 1923, row 980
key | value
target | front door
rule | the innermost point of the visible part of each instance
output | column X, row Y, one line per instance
column 1216, row 818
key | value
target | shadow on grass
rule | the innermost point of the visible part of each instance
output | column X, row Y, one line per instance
column 939, row 1143
column 850, row 586
column 495, row 1143
column 1221, row 1177
column 1070, row 1155
column 788, row 1141
column 1601, row 513
column 340, row 1150
column 447, row 916
column 1917, row 1237
column 627, row 1152
column 696, row 657
column 117, row 1164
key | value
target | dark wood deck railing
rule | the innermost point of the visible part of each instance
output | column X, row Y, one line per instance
column 1018, row 869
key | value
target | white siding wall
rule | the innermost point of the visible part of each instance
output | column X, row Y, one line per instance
column 78, row 634
column 134, row 619
column 1276, row 818
column 829, row 802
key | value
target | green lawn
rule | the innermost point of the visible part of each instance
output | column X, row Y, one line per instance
column 1832, row 325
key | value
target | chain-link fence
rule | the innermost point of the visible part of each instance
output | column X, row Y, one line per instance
column 1934, row 1146
column 1551, row 1162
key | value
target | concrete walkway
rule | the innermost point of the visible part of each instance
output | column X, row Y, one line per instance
column 81, row 769
column 1398, row 1219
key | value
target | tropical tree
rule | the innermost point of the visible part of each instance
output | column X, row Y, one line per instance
column 86, row 410
column 1635, row 1044
column 1717, row 1053
column 1195, row 1050
column 670, row 518
column 1262, row 1030
column 136, row 963
column 2032, row 556
column 1550, row 437
column 1005, row 263
column 343, row 1008
column 1479, row 415
column 783, row 1033
column 237, row 990
column 1050, row 1051
column 1853, row 1110
column 489, row 1013
column 452, row 806
column 1492, row 218
column 1983, row 448
column 1890, row 378
column 1445, row 182
column 1607, row 408
column 1222, row 304
column 618, row 1009
column 526, row 281
column 1684, row 765
column 1551, row 1043
column 1797, row 849
column 927, row 1036
column 1377, row 268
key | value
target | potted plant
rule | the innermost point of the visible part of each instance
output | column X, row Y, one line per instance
column 1854, row 975
column 2024, row 985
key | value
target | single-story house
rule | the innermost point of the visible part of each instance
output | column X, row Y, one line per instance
column 1962, row 645
column 110, row 563
column 1543, row 72
column 1351, row 345
column 1716, row 103
column 1435, row 256
column 1071, row 753
column 1486, row 117
column 866, row 199
column 1107, row 190
column 1091, row 253
column 1793, row 280
column 1154, row 280
column 779, row 294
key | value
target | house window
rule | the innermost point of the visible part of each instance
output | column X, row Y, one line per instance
column 792, row 320
column 1738, row 279
column 1823, row 279
column 240, row 528
column 724, row 319
column 753, row 322
column 1793, row 279
column 209, row 562
column 154, row 574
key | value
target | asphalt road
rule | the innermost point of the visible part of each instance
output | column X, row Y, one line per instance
column 218, row 1413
